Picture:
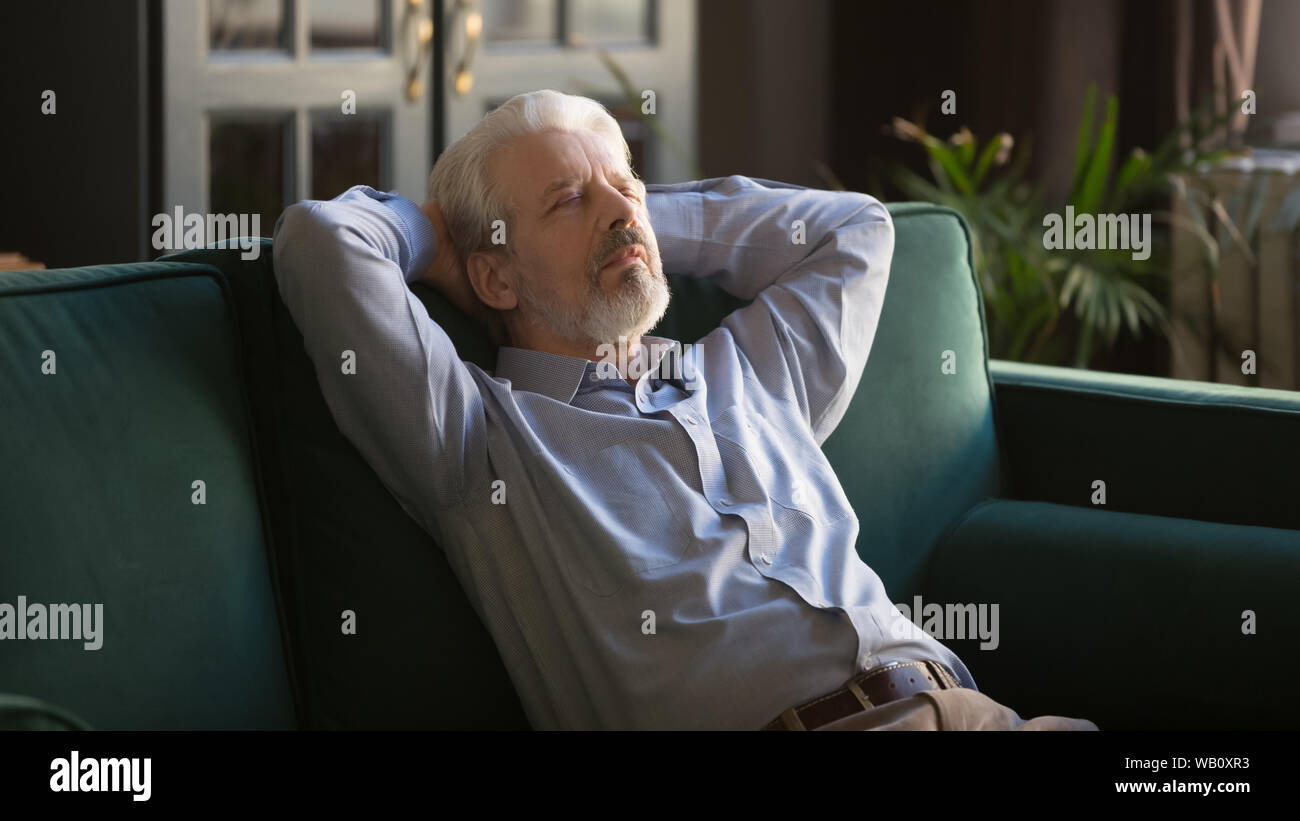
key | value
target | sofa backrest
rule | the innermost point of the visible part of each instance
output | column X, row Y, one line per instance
column 120, row 389
column 919, row 445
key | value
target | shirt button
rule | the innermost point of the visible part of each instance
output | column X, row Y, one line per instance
column 766, row 557
column 725, row 502
column 594, row 376
column 690, row 420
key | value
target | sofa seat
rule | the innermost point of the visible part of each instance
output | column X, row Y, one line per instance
column 1130, row 620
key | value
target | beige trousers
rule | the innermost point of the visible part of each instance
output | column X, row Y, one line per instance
column 955, row 709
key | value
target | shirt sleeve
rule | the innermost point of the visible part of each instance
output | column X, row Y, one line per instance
column 815, row 265
column 389, row 374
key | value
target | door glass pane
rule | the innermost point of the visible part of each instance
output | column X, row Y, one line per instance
column 608, row 21
column 345, row 151
column 345, row 24
column 246, row 166
column 247, row 25
column 520, row 20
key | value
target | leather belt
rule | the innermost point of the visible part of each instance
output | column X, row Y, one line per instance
column 868, row 689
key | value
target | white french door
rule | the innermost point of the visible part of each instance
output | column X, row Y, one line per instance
column 498, row 48
column 267, row 102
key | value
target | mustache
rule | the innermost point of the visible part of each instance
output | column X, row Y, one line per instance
column 618, row 239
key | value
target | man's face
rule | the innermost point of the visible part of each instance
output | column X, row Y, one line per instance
column 577, row 207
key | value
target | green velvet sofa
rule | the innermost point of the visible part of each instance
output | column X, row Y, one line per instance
column 130, row 393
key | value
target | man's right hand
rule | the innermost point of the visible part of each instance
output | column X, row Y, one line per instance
column 446, row 274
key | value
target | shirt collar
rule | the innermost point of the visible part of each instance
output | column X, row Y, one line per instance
column 559, row 376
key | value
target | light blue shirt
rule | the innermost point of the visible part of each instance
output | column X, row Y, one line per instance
column 669, row 555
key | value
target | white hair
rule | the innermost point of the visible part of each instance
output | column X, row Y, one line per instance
column 461, row 183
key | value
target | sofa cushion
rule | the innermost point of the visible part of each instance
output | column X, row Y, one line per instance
column 1128, row 620
column 140, row 397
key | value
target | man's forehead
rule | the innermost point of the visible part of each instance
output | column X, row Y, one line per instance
column 548, row 161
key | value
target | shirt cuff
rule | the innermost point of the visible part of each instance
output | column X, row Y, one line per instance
column 421, row 238
column 677, row 218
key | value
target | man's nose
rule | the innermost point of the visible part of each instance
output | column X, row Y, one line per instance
column 625, row 215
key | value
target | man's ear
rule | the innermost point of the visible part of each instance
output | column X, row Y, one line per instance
column 488, row 277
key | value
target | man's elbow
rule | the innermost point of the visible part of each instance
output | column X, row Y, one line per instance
column 294, row 228
column 869, row 236
column 871, row 212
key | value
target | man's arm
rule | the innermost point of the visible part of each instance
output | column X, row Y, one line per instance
column 401, row 396
column 815, row 263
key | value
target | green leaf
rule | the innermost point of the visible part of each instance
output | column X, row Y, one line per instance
column 1020, row 157
column 1094, row 181
column 1112, row 315
column 966, row 149
column 951, row 165
column 986, row 160
column 1072, row 281
column 916, row 186
column 1130, row 176
column 1132, row 320
column 1083, row 144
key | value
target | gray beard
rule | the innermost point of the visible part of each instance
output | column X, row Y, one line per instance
column 640, row 302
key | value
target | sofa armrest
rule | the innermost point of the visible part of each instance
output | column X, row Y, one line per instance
column 1165, row 447
column 1127, row 620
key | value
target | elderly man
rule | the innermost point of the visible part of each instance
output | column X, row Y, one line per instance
column 653, row 539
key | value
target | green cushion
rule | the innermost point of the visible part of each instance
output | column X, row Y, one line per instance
column 98, row 461
column 918, row 446
column 1130, row 621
